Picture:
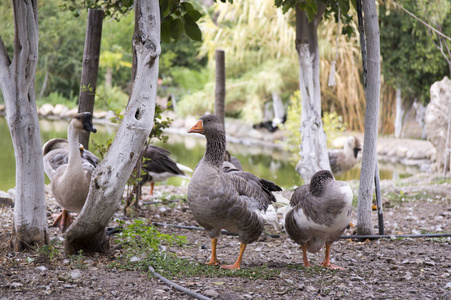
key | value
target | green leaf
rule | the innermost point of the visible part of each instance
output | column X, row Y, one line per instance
column 287, row 5
column 192, row 30
column 311, row 12
column 177, row 29
column 193, row 15
column 344, row 6
column 166, row 30
column 187, row 6
column 165, row 7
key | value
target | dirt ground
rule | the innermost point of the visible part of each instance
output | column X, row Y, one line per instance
column 415, row 268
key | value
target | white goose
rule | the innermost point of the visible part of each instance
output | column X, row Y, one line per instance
column 69, row 168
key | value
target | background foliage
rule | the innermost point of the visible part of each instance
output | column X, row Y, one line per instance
column 260, row 57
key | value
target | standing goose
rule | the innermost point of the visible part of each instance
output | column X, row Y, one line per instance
column 235, row 200
column 342, row 160
column 69, row 168
column 318, row 214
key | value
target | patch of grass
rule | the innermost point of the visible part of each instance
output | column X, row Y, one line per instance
column 143, row 246
column 441, row 180
column 49, row 250
column 396, row 199
column 167, row 196
column 77, row 260
column 355, row 200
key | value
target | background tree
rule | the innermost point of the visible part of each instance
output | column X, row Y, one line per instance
column 410, row 62
column 437, row 14
column 17, row 82
column 255, row 68
column 61, row 42
column 308, row 16
column 313, row 146
column 91, row 58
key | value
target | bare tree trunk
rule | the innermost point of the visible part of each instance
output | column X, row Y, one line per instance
column 372, row 92
column 17, row 79
column 110, row 177
column 313, row 152
column 399, row 113
column 220, row 90
column 90, row 69
column 279, row 109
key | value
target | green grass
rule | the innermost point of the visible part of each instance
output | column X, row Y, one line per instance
column 49, row 250
column 143, row 242
column 396, row 199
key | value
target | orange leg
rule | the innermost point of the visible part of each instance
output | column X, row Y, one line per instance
column 214, row 259
column 152, row 184
column 63, row 221
column 237, row 264
column 151, row 190
column 304, row 256
column 326, row 263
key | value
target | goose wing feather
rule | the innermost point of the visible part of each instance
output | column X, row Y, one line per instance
column 251, row 188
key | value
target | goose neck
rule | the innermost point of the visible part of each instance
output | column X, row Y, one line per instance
column 215, row 149
column 74, row 146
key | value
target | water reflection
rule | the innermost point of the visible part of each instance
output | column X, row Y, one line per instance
column 265, row 162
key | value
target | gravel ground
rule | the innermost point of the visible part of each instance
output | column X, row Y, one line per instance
column 416, row 268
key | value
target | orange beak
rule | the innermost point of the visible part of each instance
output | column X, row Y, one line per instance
column 198, row 128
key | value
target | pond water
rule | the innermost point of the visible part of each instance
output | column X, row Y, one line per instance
column 266, row 162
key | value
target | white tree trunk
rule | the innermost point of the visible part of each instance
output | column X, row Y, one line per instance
column 399, row 113
column 278, row 107
column 313, row 152
column 17, row 79
column 110, row 177
column 420, row 117
column 372, row 92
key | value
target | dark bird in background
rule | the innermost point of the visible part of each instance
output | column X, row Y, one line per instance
column 342, row 160
column 158, row 166
column 232, row 200
column 318, row 214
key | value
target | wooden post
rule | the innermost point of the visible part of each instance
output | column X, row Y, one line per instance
column 220, row 90
column 90, row 69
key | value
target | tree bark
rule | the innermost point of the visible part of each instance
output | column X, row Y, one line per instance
column 220, row 90
column 399, row 113
column 17, row 82
column 110, row 177
column 313, row 151
column 372, row 92
column 90, row 69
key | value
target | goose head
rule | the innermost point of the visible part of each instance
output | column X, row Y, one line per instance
column 208, row 125
column 352, row 145
column 319, row 181
column 83, row 122
column 357, row 147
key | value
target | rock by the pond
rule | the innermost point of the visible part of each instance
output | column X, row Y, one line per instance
column 436, row 119
column 46, row 110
